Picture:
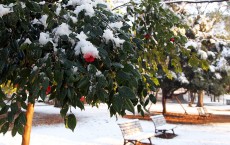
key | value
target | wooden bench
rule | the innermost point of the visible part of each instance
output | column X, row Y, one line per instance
column 132, row 132
column 161, row 125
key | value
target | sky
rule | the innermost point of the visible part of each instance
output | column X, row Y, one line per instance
column 96, row 127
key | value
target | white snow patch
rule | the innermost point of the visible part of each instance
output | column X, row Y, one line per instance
column 108, row 35
column 4, row 10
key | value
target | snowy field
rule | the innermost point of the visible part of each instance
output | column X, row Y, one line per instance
column 95, row 127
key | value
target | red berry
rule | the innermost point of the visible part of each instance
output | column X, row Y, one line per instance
column 48, row 90
column 82, row 99
column 147, row 36
column 89, row 57
column 172, row 39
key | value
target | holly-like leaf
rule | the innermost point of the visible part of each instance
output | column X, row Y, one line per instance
column 126, row 92
column 71, row 122
column 5, row 127
column 152, row 98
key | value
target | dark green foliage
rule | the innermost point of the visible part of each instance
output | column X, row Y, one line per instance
column 112, row 78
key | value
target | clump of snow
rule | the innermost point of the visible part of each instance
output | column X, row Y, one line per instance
column 116, row 25
column 58, row 10
column 75, row 69
column 74, row 19
column 218, row 76
column 173, row 74
column 42, row 2
column 108, row 35
column 203, row 54
column 4, row 10
column 23, row 5
column 182, row 78
column 212, row 68
column 98, row 73
column 35, row 68
column 88, row 8
column 210, row 53
column 27, row 41
column 62, row 29
column 226, row 52
column 191, row 43
column 84, row 46
column 219, row 29
column 222, row 64
column 43, row 20
column 44, row 38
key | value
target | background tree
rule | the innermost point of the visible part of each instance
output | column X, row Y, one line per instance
column 208, row 36
column 163, row 38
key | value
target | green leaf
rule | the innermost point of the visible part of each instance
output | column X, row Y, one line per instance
column 10, row 117
column 20, row 129
column 14, row 107
column 102, row 94
column 2, row 95
column 14, row 131
column 4, row 109
column 117, row 103
column 71, row 122
column 126, row 92
column 2, row 120
column 101, row 6
column 129, row 105
column 84, row 81
column 152, row 98
column 22, row 118
column 5, row 127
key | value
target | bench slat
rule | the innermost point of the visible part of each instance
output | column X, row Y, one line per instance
column 132, row 131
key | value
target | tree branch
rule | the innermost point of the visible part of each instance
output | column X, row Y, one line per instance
column 194, row 1
column 180, row 93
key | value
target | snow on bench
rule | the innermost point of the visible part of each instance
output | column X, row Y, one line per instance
column 132, row 132
column 161, row 125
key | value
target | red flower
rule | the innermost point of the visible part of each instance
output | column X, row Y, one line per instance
column 48, row 90
column 82, row 99
column 147, row 36
column 172, row 39
column 89, row 57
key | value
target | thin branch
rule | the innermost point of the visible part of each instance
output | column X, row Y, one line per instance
column 123, row 5
column 194, row 1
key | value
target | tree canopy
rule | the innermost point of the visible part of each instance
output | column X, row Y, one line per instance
column 67, row 50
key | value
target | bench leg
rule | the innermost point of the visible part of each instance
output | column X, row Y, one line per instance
column 150, row 141
column 173, row 131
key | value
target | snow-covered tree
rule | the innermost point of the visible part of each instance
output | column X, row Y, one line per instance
column 163, row 40
column 208, row 37
column 67, row 50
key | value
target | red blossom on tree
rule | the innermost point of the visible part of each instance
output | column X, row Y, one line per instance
column 147, row 36
column 82, row 99
column 89, row 57
column 172, row 39
column 48, row 90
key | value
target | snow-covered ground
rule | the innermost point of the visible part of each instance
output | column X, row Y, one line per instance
column 95, row 127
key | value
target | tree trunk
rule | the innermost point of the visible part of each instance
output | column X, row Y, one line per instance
column 164, row 97
column 28, row 126
column 214, row 98
column 200, row 98
column 192, row 99
column 57, row 103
